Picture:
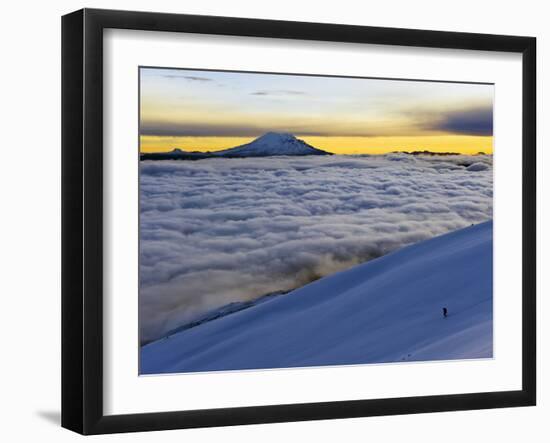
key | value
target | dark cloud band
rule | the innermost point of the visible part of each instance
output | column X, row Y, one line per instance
column 278, row 92
column 169, row 129
column 466, row 122
column 188, row 77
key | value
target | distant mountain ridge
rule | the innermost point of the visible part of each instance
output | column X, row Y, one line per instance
column 268, row 145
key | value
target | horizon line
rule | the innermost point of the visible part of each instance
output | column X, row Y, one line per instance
column 347, row 145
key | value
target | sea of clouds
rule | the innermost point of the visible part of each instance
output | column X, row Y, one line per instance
column 217, row 231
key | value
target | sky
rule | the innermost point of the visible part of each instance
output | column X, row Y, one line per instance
column 199, row 110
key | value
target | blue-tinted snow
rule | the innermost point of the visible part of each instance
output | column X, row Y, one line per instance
column 386, row 310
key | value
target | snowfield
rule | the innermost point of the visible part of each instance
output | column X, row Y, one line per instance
column 219, row 231
column 386, row 310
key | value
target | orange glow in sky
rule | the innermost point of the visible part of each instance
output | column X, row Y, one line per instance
column 197, row 110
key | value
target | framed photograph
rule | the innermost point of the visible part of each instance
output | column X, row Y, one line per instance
column 269, row 221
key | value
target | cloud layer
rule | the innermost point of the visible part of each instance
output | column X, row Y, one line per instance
column 222, row 230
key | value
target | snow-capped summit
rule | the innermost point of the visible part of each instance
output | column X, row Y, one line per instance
column 271, row 144
column 268, row 145
column 276, row 137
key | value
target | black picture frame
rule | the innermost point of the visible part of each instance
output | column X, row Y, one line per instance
column 82, row 219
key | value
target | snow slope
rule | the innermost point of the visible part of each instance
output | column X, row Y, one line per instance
column 385, row 310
